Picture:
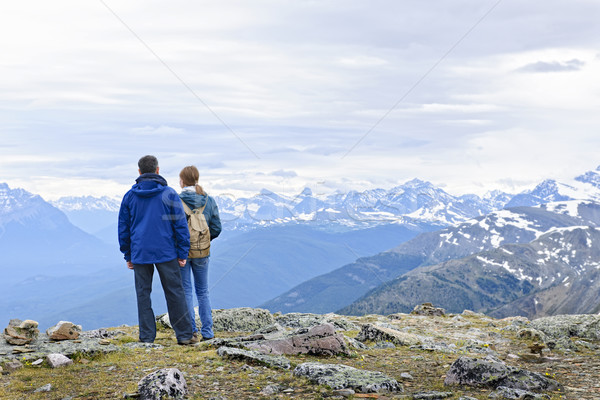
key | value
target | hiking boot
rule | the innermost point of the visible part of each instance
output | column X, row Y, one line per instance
column 189, row 342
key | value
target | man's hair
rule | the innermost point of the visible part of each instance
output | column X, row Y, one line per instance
column 148, row 164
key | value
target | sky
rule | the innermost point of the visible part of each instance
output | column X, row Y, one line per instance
column 471, row 95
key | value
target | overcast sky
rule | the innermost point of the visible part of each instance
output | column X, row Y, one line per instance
column 472, row 95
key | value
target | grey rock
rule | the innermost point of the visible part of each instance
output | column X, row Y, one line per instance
column 491, row 372
column 254, row 357
column 45, row 388
column 12, row 366
column 270, row 389
column 466, row 398
column 64, row 330
column 585, row 326
column 432, row 395
column 101, row 333
column 344, row 392
column 531, row 334
column 243, row 319
column 356, row 344
column 338, row 376
column 38, row 361
column 428, row 309
column 406, row 375
column 163, row 384
column 58, row 360
column 503, row 392
column 384, row 345
column 141, row 345
column 308, row 320
column 318, row 340
column 382, row 334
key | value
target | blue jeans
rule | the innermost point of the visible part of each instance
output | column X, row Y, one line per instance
column 199, row 268
column 170, row 279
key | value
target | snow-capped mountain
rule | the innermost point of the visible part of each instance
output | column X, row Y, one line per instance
column 91, row 214
column 337, row 289
column 79, row 203
column 557, row 273
column 31, row 229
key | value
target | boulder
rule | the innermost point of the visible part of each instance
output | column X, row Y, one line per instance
column 308, row 320
column 64, row 330
column 56, row 360
column 585, row 326
column 243, row 319
column 383, row 334
column 254, row 357
column 490, row 372
column 428, row 309
column 318, row 340
column 339, row 376
column 163, row 384
column 21, row 332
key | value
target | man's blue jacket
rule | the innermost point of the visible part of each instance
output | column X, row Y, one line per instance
column 152, row 225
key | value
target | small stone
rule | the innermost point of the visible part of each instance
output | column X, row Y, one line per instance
column 162, row 384
column 104, row 342
column 269, row 390
column 58, row 360
column 12, row 366
column 344, row 392
column 38, row 361
column 432, row 395
column 45, row 388
column 406, row 375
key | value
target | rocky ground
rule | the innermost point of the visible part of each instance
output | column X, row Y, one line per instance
column 257, row 355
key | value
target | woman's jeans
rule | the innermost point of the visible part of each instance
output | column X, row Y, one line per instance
column 198, row 267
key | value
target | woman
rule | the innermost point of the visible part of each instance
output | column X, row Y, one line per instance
column 196, row 200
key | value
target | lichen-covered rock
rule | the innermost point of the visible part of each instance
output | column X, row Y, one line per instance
column 516, row 394
column 382, row 334
column 492, row 373
column 339, row 376
column 58, row 360
column 431, row 395
column 531, row 334
column 585, row 326
column 243, row 319
column 163, row 384
column 318, row 340
column 64, row 330
column 20, row 332
column 428, row 309
column 254, row 357
column 308, row 320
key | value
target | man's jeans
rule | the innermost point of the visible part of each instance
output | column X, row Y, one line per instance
column 199, row 268
column 170, row 278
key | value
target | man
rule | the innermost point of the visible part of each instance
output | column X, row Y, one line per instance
column 153, row 232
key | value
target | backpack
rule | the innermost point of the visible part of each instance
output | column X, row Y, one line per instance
column 199, row 232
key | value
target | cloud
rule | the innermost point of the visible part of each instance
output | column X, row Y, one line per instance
column 157, row 131
column 285, row 174
column 553, row 66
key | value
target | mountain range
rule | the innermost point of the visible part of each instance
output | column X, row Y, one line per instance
column 303, row 253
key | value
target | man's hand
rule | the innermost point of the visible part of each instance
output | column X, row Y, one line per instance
column 181, row 262
column 129, row 265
